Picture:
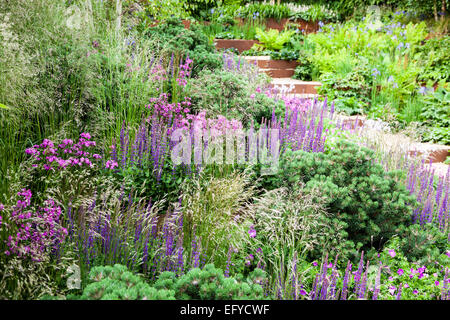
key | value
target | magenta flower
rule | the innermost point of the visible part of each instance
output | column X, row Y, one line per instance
column 85, row 135
column 111, row 164
column 415, row 292
column 400, row 272
column 314, row 264
column 252, row 232
column 303, row 292
column 392, row 253
column 436, row 283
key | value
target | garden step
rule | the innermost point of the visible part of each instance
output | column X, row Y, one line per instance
column 350, row 122
column 265, row 62
column 239, row 44
column 298, row 86
column 279, row 73
column 431, row 152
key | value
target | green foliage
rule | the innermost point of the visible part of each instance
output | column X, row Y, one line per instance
column 45, row 77
column 210, row 283
column 143, row 180
column 315, row 12
column 420, row 282
column 245, row 30
column 292, row 224
column 273, row 39
column 117, row 283
column 214, row 214
column 230, row 94
column 436, row 113
column 25, row 280
column 264, row 10
column 425, row 244
column 175, row 38
column 351, row 93
column 435, row 55
column 305, row 70
column 163, row 9
column 370, row 202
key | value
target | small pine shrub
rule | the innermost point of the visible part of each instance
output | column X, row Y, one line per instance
column 369, row 201
column 210, row 283
column 117, row 283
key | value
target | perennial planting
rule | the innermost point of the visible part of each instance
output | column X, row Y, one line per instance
column 140, row 163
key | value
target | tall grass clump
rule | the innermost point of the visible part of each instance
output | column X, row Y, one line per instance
column 215, row 215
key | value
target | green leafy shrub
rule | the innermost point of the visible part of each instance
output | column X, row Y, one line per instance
column 419, row 281
column 174, row 37
column 264, row 10
column 435, row 55
column 232, row 95
column 370, row 202
column 437, row 115
column 273, row 39
column 304, row 71
column 352, row 92
column 424, row 244
column 210, row 283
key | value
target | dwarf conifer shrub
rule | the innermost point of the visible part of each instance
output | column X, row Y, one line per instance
column 369, row 201
column 210, row 283
column 117, row 283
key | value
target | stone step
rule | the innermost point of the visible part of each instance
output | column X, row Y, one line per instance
column 279, row 73
column 431, row 152
column 239, row 44
column 297, row 86
column 265, row 62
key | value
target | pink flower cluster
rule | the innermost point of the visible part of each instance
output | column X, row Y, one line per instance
column 206, row 126
column 162, row 107
column 158, row 73
column 37, row 231
column 420, row 272
column 220, row 124
column 111, row 164
column 185, row 71
column 66, row 154
column 294, row 104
